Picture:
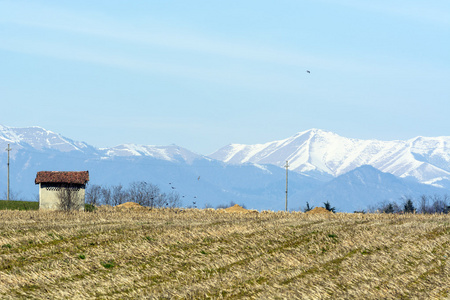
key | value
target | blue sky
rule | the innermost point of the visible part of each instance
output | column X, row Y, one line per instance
column 203, row 74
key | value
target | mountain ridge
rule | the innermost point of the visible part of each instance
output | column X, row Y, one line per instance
column 205, row 181
column 39, row 138
column 426, row 159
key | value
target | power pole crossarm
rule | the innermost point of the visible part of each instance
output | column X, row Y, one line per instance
column 7, row 193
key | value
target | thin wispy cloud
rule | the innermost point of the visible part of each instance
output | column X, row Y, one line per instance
column 227, row 75
column 164, row 36
column 174, row 39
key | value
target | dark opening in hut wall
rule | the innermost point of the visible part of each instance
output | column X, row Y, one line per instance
column 49, row 186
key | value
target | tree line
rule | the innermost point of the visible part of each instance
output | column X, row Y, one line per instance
column 141, row 192
column 436, row 204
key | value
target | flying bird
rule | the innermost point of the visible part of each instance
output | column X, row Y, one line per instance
column 308, row 71
column 198, row 178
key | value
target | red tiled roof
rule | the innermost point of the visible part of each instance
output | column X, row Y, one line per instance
column 62, row 177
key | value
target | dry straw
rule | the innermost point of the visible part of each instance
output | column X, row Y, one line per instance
column 319, row 210
column 199, row 254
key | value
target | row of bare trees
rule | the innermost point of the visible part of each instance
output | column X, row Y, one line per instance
column 437, row 204
column 141, row 192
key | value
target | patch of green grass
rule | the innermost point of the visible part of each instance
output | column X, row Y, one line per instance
column 366, row 252
column 150, row 239
column 108, row 264
column 7, row 246
column 89, row 208
column 18, row 205
column 30, row 287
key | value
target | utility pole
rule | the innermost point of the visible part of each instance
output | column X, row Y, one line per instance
column 7, row 191
column 286, row 166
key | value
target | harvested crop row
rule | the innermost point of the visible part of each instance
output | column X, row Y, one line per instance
column 136, row 253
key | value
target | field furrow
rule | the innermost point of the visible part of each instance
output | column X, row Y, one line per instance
column 206, row 254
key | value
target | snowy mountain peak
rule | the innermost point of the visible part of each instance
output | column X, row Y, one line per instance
column 322, row 151
column 169, row 153
column 240, row 153
column 38, row 138
column 41, row 139
column 314, row 151
column 356, row 166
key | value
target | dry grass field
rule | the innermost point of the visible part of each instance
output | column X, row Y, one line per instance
column 206, row 254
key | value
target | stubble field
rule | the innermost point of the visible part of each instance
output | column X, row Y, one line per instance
column 206, row 254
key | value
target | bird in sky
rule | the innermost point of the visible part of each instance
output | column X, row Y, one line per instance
column 308, row 71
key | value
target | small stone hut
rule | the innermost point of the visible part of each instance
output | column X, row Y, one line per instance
column 52, row 182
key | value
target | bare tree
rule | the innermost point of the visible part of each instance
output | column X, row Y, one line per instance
column 145, row 194
column 389, row 207
column 106, row 196
column 436, row 204
column 424, row 208
column 93, row 194
column 119, row 195
column 139, row 192
column 154, row 196
column 171, row 200
column 440, row 204
column 13, row 196
column 69, row 197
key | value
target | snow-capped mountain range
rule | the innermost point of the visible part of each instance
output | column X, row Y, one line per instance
column 169, row 153
column 426, row 159
column 39, row 138
column 323, row 166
